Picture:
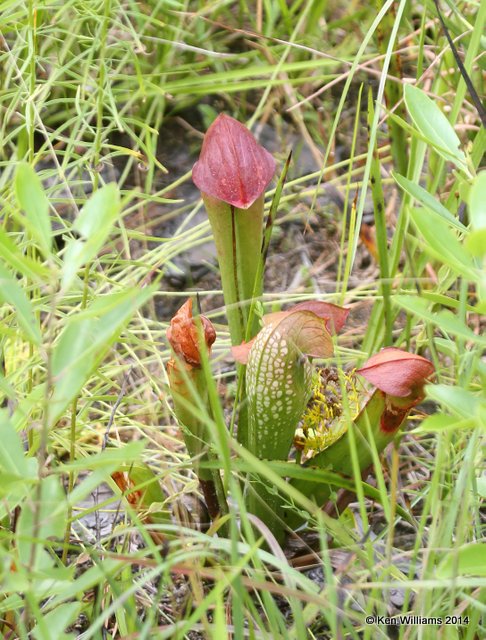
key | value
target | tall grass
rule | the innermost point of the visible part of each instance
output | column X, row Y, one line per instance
column 89, row 90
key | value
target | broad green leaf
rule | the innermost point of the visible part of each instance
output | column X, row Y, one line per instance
column 477, row 202
column 481, row 486
column 26, row 404
column 481, row 307
column 75, row 255
column 6, row 388
column 475, row 242
column 479, row 144
column 416, row 306
column 434, row 125
column 54, row 622
column 85, row 340
column 12, row 255
column 99, row 213
column 94, row 224
column 91, row 482
column 444, row 319
column 447, row 347
column 13, row 602
column 443, row 422
column 425, row 198
column 109, row 457
column 33, row 200
column 73, row 361
column 220, row 628
column 461, row 402
column 101, row 466
column 13, row 491
column 466, row 560
column 150, row 497
column 12, row 457
column 450, row 323
column 443, row 244
column 314, row 476
column 12, row 293
column 445, row 301
column 101, row 571
column 42, row 521
column 144, row 477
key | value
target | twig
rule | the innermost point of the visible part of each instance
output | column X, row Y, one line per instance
column 104, row 444
column 472, row 91
column 120, row 397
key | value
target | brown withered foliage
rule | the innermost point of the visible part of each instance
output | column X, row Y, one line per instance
column 183, row 335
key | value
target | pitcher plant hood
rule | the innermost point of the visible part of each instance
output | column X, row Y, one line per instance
column 397, row 372
column 232, row 166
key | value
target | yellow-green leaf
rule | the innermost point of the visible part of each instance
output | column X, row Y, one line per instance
column 466, row 560
column 477, row 202
column 12, row 293
column 434, row 126
column 34, row 202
